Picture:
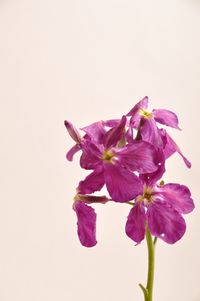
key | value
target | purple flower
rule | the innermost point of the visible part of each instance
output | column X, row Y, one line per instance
column 145, row 121
column 115, row 166
column 161, row 208
column 86, row 216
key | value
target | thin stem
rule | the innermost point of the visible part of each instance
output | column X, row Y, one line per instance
column 151, row 260
column 151, row 244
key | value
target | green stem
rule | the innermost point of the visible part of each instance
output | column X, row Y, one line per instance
column 148, row 291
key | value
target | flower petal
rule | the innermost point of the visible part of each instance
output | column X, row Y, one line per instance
column 73, row 131
column 135, row 225
column 150, row 132
column 150, row 179
column 93, row 182
column 95, row 131
column 86, row 223
column 166, row 117
column 70, row 154
column 171, row 147
column 122, row 184
column 178, row 196
column 165, row 222
column 139, row 156
column 114, row 135
column 142, row 104
column 90, row 158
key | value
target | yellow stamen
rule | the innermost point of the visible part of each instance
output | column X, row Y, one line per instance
column 146, row 114
column 108, row 156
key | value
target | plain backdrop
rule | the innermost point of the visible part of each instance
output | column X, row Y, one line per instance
column 88, row 60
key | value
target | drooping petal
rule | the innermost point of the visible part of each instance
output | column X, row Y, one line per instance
column 122, row 184
column 171, row 147
column 135, row 225
column 142, row 104
column 93, row 182
column 166, row 117
column 139, row 156
column 95, row 131
column 150, row 132
column 86, row 223
column 90, row 158
column 73, row 131
column 150, row 179
column 178, row 196
column 165, row 222
column 114, row 135
column 70, row 154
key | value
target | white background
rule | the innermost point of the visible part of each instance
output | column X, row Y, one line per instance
column 87, row 60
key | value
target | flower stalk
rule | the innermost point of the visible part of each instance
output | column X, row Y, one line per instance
column 151, row 245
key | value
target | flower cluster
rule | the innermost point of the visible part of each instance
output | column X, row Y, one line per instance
column 128, row 156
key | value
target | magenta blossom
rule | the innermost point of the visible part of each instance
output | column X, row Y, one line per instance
column 115, row 166
column 161, row 208
column 146, row 124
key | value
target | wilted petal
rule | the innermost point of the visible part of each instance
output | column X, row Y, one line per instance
column 91, row 155
column 70, row 154
column 142, row 104
column 86, row 224
column 122, row 184
column 73, row 131
column 166, row 117
column 135, row 225
column 150, row 132
column 95, row 131
column 178, row 196
column 93, row 182
column 139, row 156
column 114, row 135
column 165, row 222
column 171, row 147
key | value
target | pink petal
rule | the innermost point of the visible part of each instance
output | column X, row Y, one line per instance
column 166, row 117
column 142, row 104
column 122, row 184
column 93, row 182
column 73, row 131
column 95, row 131
column 135, row 225
column 70, row 154
column 86, row 224
column 139, row 156
column 115, row 134
column 171, row 147
column 91, row 155
column 178, row 196
column 165, row 222
column 135, row 112
column 150, row 132
column 150, row 179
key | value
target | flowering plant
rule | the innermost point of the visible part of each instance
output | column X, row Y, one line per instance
column 128, row 155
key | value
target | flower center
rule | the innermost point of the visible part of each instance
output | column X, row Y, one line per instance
column 108, row 156
column 147, row 195
column 146, row 114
